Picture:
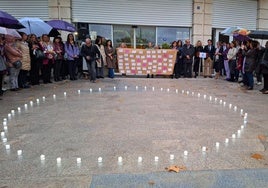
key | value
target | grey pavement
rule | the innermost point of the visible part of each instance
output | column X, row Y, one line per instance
column 133, row 117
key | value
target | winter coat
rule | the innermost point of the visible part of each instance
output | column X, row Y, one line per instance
column 110, row 59
column 188, row 51
column 251, row 60
column 26, row 58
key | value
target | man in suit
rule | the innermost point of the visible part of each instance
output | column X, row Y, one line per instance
column 210, row 51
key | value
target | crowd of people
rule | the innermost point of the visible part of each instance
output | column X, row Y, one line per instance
column 237, row 61
column 29, row 60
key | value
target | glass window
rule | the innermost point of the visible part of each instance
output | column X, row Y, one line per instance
column 169, row 34
column 123, row 34
column 101, row 30
column 144, row 34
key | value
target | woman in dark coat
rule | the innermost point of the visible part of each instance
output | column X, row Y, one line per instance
column 264, row 70
column 198, row 48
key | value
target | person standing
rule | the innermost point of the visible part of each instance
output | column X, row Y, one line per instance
column 72, row 51
column 14, row 56
column 59, row 50
column 187, row 54
column 197, row 60
column 250, row 64
column 48, row 61
column 110, row 58
column 88, row 52
column 99, row 59
column 232, row 61
column 209, row 49
column 217, row 60
column 36, row 63
column 264, row 69
column 2, row 63
column 23, row 46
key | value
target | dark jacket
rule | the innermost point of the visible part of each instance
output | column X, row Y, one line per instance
column 187, row 51
column 89, row 51
column 264, row 69
column 210, row 52
column 251, row 60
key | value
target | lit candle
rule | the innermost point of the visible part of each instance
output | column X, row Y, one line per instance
column 217, row 144
column 42, row 157
column 153, row 88
column 65, row 94
column 4, row 140
column 90, row 90
column 205, row 96
column 114, row 88
column 58, row 160
column 13, row 112
column 44, row 98
column 145, row 88
column 226, row 140
column 78, row 160
column 204, row 148
column 230, row 106
column 156, row 158
column 167, row 89
column 233, row 136
column 241, row 111
column 171, row 157
column 99, row 89
column 137, row 87
column 139, row 159
column 242, row 126
column 54, row 96
column 19, row 109
column 19, row 152
column 120, row 159
column 25, row 105
column 125, row 87
column 2, row 134
column 78, row 91
column 4, row 123
column 185, row 152
column 31, row 103
column 7, row 147
column 99, row 159
column 177, row 91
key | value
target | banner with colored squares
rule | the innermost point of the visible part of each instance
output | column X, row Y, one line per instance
column 143, row 61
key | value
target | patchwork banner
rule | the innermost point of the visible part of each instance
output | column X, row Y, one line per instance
column 143, row 61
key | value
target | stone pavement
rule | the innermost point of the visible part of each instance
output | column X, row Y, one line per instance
column 159, row 118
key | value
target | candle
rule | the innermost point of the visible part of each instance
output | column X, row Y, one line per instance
column 171, row 157
column 31, row 103
column 120, row 159
column 37, row 100
column 161, row 89
column 114, row 88
column 4, row 140
column 90, row 90
column 19, row 109
column 44, row 98
column 78, row 160
column 235, row 108
column 2, row 134
column 167, row 89
column 233, row 136
column 25, row 105
column 9, row 115
column 242, row 126
column 139, row 159
column 13, row 112
column 185, row 152
column 230, row 106
column 5, row 119
column 99, row 89
column 137, row 87
column 54, row 96
column 210, row 98
column 226, row 140
column 7, row 147
column 99, row 159
column 187, row 92
column 65, row 94
column 42, row 157
column 78, row 91
column 156, row 158
column 153, row 88
column 58, row 160
column 217, row 144
column 241, row 111
column 198, row 95
column 204, row 148
column 19, row 152
column 182, row 91
column 4, row 123
column 205, row 96
column 177, row 90
column 145, row 88
column 192, row 93
column 5, row 128
column 125, row 87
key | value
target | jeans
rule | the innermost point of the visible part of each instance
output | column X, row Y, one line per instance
column 111, row 73
column 249, row 77
column 13, row 77
column 188, row 70
column 91, row 66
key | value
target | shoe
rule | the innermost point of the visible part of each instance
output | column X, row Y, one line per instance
column 258, row 83
column 265, row 92
column 148, row 76
column 152, row 76
column 26, row 87
column 49, row 82
column 14, row 89
column 250, row 88
column 262, row 90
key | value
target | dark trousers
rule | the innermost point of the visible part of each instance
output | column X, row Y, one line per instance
column 57, row 69
column 111, row 73
column 265, row 81
column 22, row 78
column 64, row 69
column 47, row 72
column 197, row 64
column 34, row 72
column 188, row 70
column 249, row 79
column 72, row 69
column 1, row 83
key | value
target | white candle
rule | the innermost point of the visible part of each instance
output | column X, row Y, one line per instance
column 13, row 112
column 198, row 95
column 78, row 91
column 153, row 88
column 230, row 106
column 161, row 89
column 187, row 92
column 25, row 105
column 99, row 89
column 54, row 96
column 7, row 146
column 233, row 136
column 114, row 88
column 224, row 103
column 210, row 98
column 192, row 93
column 44, row 98
column 241, row 111
column 182, row 91
column 205, row 96
column 177, row 90
column 5, row 128
column 156, row 158
column 99, row 159
column 226, row 140
column 137, row 87
column 64, row 93
column 220, row 101
column 120, row 159
column 246, row 114
column 217, row 144
column 90, row 90
column 58, row 160
column 139, row 159
column 167, row 89
column 9, row 115
column 4, row 140
column 145, row 88
column 216, row 99
column 19, row 152
column 185, row 152
column 171, row 157
column 4, row 123
column 242, row 126
column 31, row 103
column 78, row 160
column 245, row 122
column 37, row 100
column 204, row 148
column 42, row 157
column 125, row 87
column 235, row 108
column 5, row 119
column 19, row 109
column 2, row 134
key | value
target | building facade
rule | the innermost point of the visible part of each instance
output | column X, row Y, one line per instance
column 137, row 22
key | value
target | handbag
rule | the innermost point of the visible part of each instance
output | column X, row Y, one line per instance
column 17, row 64
column 39, row 54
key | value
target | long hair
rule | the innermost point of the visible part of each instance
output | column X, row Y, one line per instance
column 68, row 39
column 109, row 41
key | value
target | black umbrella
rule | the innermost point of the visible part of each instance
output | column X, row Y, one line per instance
column 54, row 33
column 257, row 34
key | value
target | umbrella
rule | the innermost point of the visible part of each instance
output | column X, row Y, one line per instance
column 6, row 20
column 230, row 30
column 35, row 26
column 240, row 37
column 53, row 33
column 61, row 25
column 10, row 32
column 257, row 34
